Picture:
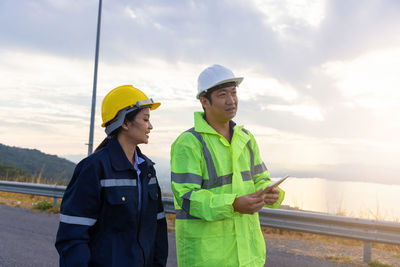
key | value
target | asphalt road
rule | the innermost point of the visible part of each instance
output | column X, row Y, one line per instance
column 27, row 239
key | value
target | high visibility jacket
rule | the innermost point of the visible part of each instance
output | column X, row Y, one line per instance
column 100, row 220
column 207, row 174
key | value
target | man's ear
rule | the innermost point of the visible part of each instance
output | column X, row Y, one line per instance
column 204, row 101
column 125, row 125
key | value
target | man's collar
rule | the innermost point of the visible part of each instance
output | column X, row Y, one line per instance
column 201, row 125
column 232, row 125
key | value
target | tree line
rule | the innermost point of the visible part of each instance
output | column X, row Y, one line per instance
column 31, row 165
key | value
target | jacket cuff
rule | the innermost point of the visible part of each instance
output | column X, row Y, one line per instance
column 278, row 203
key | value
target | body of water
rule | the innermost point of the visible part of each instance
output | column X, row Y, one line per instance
column 347, row 198
column 355, row 199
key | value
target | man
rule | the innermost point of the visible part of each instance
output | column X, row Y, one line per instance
column 218, row 181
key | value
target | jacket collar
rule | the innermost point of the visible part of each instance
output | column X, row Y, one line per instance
column 148, row 161
column 238, row 136
column 202, row 126
column 118, row 159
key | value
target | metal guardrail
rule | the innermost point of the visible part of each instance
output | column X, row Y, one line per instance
column 55, row 191
column 368, row 231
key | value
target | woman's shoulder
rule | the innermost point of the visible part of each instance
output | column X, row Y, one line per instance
column 96, row 158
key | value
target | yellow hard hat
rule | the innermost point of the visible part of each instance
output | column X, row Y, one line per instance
column 120, row 101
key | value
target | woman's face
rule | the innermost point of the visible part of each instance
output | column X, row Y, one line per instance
column 140, row 127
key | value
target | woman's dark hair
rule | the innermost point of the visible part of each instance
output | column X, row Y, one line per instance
column 129, row 117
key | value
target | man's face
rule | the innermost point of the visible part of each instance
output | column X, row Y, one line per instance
column 223, row 106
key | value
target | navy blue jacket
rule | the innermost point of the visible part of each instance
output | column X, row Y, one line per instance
column 100, row 224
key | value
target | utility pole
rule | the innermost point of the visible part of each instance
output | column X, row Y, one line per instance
column 90, row 145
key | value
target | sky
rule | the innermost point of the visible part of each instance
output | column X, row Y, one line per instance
column 321, row 89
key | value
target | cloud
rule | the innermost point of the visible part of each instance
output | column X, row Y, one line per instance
column 256, row 85
column 369, row 81
column 281, row 14
column 65, row 27
column 308, row 112
column 320, row 76
column 352, row 28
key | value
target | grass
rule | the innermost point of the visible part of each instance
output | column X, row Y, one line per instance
column 45, row 204
column 377, row 263
column 26, row 201
column 170, row 222
column 339, row 258
column 335, row 256
column 31, row 179
column 381, row 252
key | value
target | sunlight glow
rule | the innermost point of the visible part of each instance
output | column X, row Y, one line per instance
column 348, row 198
column 307, row 112
column 265, row 86
column 370, row 81
column 54, row 96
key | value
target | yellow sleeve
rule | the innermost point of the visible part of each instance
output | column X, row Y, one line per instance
column 188, row 170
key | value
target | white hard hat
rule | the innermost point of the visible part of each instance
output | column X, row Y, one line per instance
column 213, row 76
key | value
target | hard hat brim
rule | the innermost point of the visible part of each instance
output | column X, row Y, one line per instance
column 153, row 106
column 237, row 80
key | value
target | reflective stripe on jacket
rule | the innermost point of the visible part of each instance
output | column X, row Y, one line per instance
column 207, row 174
column 100, row 224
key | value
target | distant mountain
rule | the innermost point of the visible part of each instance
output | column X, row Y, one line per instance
column 23, row 164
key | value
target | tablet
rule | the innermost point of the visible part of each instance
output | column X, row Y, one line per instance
column 276, row 183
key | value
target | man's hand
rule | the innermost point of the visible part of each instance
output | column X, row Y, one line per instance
column 250, row 203
column 271, row 195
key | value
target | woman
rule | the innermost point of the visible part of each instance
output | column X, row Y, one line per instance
column 111, row 213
